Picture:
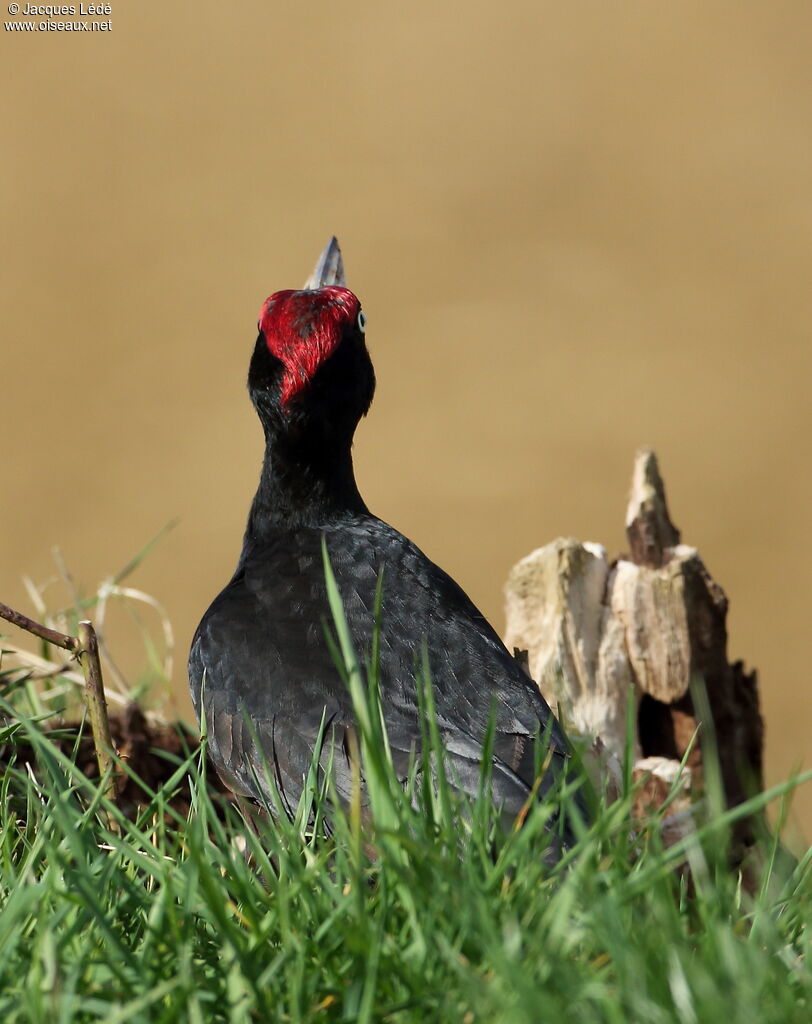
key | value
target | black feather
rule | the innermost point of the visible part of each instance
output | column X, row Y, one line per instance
column 260, row 657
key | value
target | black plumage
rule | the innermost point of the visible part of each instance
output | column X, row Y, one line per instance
column 259, row 656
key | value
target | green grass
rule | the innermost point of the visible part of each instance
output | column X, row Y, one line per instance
column 429, row 913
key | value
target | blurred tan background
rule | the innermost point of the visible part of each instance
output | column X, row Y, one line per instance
column 575, row 228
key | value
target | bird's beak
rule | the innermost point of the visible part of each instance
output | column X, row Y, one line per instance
column 329, row 269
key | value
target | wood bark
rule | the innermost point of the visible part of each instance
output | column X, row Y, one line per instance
column 648, row 628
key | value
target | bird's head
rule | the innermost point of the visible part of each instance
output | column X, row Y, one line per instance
column 310, row 364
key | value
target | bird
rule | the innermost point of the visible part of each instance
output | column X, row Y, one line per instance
column 261, row 671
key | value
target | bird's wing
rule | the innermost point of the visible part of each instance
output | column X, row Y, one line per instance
column 427, row 616
column 271, row 687
column 260, row 668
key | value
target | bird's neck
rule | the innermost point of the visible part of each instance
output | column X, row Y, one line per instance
column 304, row 482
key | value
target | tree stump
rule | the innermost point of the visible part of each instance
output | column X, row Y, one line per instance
column 650, row 628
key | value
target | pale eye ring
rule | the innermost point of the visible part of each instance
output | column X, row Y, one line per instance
column 362, row 321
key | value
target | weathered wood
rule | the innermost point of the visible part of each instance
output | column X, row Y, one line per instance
column 648, row 627
column 557, row 612
column 649, row 529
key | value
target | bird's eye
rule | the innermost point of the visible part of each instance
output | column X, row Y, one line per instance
column 362, row 321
